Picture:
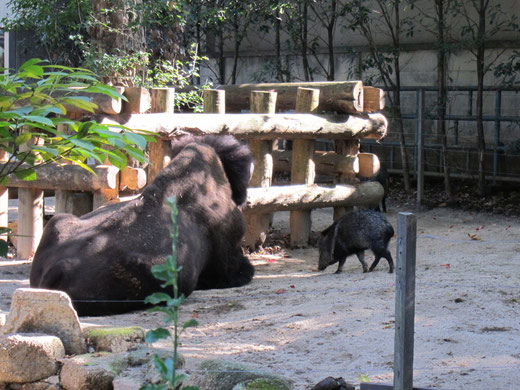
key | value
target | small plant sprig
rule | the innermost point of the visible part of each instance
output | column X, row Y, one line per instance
column 169, row 273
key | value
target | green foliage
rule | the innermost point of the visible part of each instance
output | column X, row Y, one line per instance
column 33, row 102
column 52, row 22
column 169, row 273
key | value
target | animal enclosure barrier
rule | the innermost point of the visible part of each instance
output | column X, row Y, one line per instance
column 354, row 118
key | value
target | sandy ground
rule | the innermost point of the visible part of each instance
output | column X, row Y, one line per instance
column 308, row 325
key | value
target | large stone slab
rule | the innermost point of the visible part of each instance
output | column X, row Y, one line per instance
column 113, row 339
column 45, row 311
column 218, row 374
column 29, row 357
column 101, row 370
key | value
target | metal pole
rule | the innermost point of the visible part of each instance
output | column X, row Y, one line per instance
column 405, row 301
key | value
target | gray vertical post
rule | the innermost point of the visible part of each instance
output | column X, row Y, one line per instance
column 420, row 146
column 404, row 301
column 498, row 109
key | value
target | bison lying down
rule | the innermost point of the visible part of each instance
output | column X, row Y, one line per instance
column 103, row 259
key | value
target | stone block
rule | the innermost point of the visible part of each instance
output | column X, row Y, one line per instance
column 113, row 339
column 29, row 357
column 46, row 311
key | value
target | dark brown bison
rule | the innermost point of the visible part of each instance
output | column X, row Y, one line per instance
column 103, row 259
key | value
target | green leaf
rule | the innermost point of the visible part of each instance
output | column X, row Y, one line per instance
column 81, row 102
column 23, row 138
column 136, row 139
column 157, row 298
column 26, row 174
column 4, row 248
column 190, row 324
column 39, row 119
column 30, row 62
column 105, row 90
column 82, row 144
column 46, row 149
column 157, row 334
column 4, row 230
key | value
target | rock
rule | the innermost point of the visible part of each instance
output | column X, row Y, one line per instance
column 29, row 357
column 123, row 370
column 2, row 319
column 52, row 383
column 113, row 339
column 84, row 372
column 46, row 311
column 263, row 384
column 126, row 383
column 223, row 375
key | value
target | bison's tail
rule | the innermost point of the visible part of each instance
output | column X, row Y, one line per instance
column 235, row 157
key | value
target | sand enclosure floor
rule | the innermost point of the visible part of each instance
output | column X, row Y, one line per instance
column 308, row 325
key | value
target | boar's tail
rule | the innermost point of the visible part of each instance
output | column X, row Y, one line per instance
column 235, row 157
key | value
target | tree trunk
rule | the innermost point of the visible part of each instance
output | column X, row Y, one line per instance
column 111, row 33
column 221, row 59
column 330, row 38
column 397, row 99
column 304, row 43
column 481, row 144
column 278, row 47
column 442, row 97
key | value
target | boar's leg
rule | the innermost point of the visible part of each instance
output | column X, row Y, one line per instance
column 386, row 254
column 361, row 256
column 340, row 266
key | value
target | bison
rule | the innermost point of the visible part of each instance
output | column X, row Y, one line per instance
column 103, row 259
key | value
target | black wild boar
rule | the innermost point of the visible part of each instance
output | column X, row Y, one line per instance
column 352, row 234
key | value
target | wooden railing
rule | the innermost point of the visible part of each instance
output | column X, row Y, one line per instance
column 153, row 111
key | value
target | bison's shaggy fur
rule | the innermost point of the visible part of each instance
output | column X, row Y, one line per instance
column 103, row 260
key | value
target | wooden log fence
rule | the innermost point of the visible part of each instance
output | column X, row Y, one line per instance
column 153, row 111
column 303, row 127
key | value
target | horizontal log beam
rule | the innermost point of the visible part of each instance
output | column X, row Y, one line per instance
column 326, row 163
column 256, row 126
column 307, row 197
column 67, row 177
column 340, row 96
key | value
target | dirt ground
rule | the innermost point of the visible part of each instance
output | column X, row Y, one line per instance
column 307, row 325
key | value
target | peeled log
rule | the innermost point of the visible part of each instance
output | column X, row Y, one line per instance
column 67, row 177
column 326, row 163
column 373, row 99
column 257, row 126
column 307, row 197
column 341, row 96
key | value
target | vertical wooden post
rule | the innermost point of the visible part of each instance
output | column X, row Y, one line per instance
column 345, row 148
column 303, row 167
column 139, row 100
column 258, row 224
column 214, row 101
column 30, row 215
column 71, row 202
column 158, row 152
column 405, row 301
column 107, row 195
column 4, row 199
column 30, row 221
column 163, row 100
